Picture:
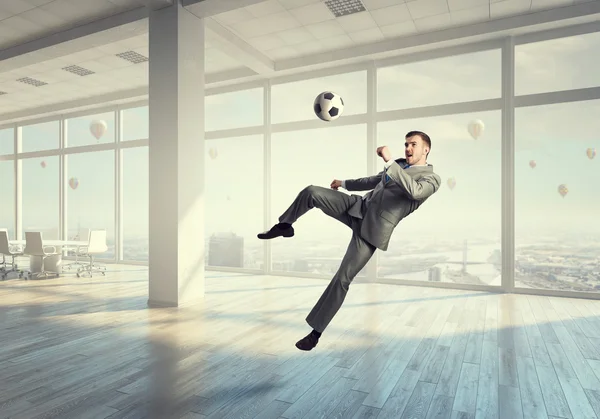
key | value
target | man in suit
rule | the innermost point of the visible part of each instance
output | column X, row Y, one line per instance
column 398, row 190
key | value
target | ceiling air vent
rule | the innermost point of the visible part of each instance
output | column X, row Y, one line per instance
column 132, row 56
column 33, row 82
column 3, row 93
column 80, row 71
column 344, row 7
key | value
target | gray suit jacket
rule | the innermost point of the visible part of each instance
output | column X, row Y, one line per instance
column 391, row 201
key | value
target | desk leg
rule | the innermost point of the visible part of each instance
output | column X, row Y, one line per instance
column 54, row 263
column 35, row 264
column 51, row 264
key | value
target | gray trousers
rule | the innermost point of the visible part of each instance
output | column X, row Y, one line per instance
column 335, row 204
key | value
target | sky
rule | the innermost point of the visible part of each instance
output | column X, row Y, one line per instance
column 556, row 137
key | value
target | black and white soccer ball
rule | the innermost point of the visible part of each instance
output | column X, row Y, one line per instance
column 328, row 106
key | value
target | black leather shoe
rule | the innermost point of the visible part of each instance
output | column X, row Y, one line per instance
column 307, row 343
column 277, row 231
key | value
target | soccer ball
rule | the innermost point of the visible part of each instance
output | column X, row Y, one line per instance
column 328, row 106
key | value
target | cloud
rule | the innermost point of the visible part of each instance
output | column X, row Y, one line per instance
column 446, row 129
column 558, row 64
column 44, row 129
column 559, row 125
column 461, row 78
column 234, row 109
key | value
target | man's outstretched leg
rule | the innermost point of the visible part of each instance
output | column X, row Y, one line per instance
column 331, row 202
column 358, row 254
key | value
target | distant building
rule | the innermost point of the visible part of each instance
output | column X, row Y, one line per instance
column 301, row 265
column 226, row 249
column 435, row 274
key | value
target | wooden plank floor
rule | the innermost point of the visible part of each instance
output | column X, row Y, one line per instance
column 91, row 348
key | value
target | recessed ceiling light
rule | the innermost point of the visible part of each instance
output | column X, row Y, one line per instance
column 80, row 71
column 33, row 82
column 132, row 56
column 344, row 7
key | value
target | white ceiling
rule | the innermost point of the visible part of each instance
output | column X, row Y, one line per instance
column 291, row 28
column 111, row 73
column 264, row 37
column 24, row 20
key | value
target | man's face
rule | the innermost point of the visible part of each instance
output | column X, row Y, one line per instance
column 415, row 150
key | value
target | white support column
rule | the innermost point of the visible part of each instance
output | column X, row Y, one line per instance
column 372, row 159
column 176, row 157
column 508, row 165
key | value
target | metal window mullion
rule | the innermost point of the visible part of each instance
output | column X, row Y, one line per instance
column 508, row 165
column 118, row 186
column 62, row 178
column 18, row 182
column 267, row 268
column 371, row 267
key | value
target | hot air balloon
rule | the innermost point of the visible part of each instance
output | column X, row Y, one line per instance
column 451, row 182
column 213, row 153
column 73, row 183
column 98, row 128
column 532, row 164
column 563, row 190
column 591, row 153
column 43, row 164
column 476, row 128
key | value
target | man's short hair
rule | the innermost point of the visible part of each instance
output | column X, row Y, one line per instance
column 423, row 136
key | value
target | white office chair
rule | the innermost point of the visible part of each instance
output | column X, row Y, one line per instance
column 96, row 246
column 80, row 251
column 34, row 247
column 7, row 250
column 3, row 264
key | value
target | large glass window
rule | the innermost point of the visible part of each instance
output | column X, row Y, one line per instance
column 557, row 64
column 7, row 201
column 135, row 124
column 91, row 129
column 135, row 204
column 234, row 202
column 230, row 110
column 40, row 137
column 314, row 157
column 91, row 195
column 40, row 202
column 459, row 78
column 294, row 101
column 7, row 141
column 455, row 235
column 557, row 201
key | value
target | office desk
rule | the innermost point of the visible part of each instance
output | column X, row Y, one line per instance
column 63, row 243
column 52, row 263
